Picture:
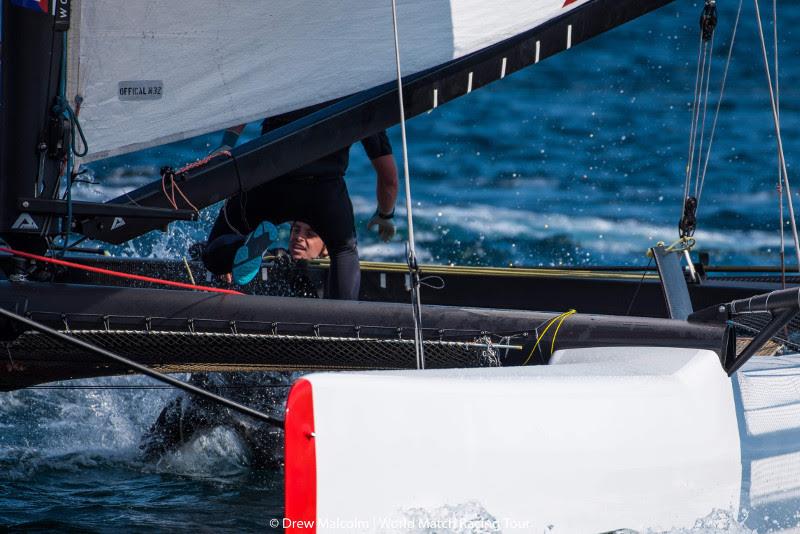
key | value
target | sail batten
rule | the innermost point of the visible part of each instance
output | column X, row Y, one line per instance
column 151, row 72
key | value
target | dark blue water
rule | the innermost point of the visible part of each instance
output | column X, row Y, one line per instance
column 579, row 160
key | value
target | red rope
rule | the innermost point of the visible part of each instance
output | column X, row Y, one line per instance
column 100, row 270
column 203, row 161
column 186, row 168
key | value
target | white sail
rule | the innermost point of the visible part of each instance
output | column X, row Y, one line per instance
column 150, row 72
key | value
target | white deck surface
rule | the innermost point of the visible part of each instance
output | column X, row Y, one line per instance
column 767, row 394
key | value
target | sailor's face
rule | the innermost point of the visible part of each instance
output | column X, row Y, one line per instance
column 304, row 243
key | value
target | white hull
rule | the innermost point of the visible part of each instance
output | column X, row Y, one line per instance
column 767, row 395
column 600, row 439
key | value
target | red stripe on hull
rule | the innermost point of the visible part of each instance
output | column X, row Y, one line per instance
column 568, row 2
column 300, row 455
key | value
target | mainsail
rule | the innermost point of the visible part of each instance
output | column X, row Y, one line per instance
column 151, row 72
column 145, row 73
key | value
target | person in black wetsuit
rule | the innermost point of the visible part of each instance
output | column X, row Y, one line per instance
column 186, row 416
column 289, row 273
column 315, row 193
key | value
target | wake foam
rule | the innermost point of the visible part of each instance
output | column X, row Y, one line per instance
column 217, row 454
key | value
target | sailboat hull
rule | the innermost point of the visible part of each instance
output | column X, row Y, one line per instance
column 600, row 439
column 188, row 331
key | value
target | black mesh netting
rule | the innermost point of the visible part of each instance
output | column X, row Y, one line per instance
column 786, row 340
column 207, row 351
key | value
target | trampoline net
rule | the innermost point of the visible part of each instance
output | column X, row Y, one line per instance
column 213, row 351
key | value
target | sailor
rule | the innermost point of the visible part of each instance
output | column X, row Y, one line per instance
column 315, row 193
column 187, row 416
column 289, row 274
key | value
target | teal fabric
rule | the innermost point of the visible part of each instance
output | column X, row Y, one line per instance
column 247, row 260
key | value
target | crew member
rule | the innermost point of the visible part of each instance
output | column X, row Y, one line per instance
column 289, row 274
column 187, row 416
column 316, row 194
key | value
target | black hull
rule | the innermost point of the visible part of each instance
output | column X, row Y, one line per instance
column 191, row 331
column 605, row 291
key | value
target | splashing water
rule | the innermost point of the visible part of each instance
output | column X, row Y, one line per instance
column 576, row 161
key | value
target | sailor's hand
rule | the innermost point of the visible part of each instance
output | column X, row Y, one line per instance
column 384, row 224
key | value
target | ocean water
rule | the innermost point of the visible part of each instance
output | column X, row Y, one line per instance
column 577, row 161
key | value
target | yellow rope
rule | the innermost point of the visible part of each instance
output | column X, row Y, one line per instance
column 546, row 328
column 555, row 332
column 189, row 270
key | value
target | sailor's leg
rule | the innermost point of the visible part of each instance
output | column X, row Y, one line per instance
column 231, row 219
column 218, row 254
column 333, row 220
column 247, row 260
column 242, row 231
column 226, row 236
column 344, row 278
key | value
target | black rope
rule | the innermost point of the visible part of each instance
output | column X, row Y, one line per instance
column 75, row 125
column 638, row 287
column 242, row 197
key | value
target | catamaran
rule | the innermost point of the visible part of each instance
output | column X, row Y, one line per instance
column 441, row 395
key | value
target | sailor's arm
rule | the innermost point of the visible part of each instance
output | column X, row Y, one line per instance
column 379, row 151
column 386, row 193
column 386, row 186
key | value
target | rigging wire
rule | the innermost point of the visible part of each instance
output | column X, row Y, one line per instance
column 639, row 286
column 411, row 253
column 719, row 101
column 695, row 111
column 778, row 109
column 708, row 23
column 778, row 136
column 710, row 47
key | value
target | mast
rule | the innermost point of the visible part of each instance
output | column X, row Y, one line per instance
column 31, row 134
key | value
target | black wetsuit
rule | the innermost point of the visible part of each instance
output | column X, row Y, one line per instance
column 315, row 194
column 188, row 416
column 291, row 278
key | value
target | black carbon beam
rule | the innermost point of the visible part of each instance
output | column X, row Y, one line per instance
column 782, row 305
column 363, row 114
column 142, row 369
